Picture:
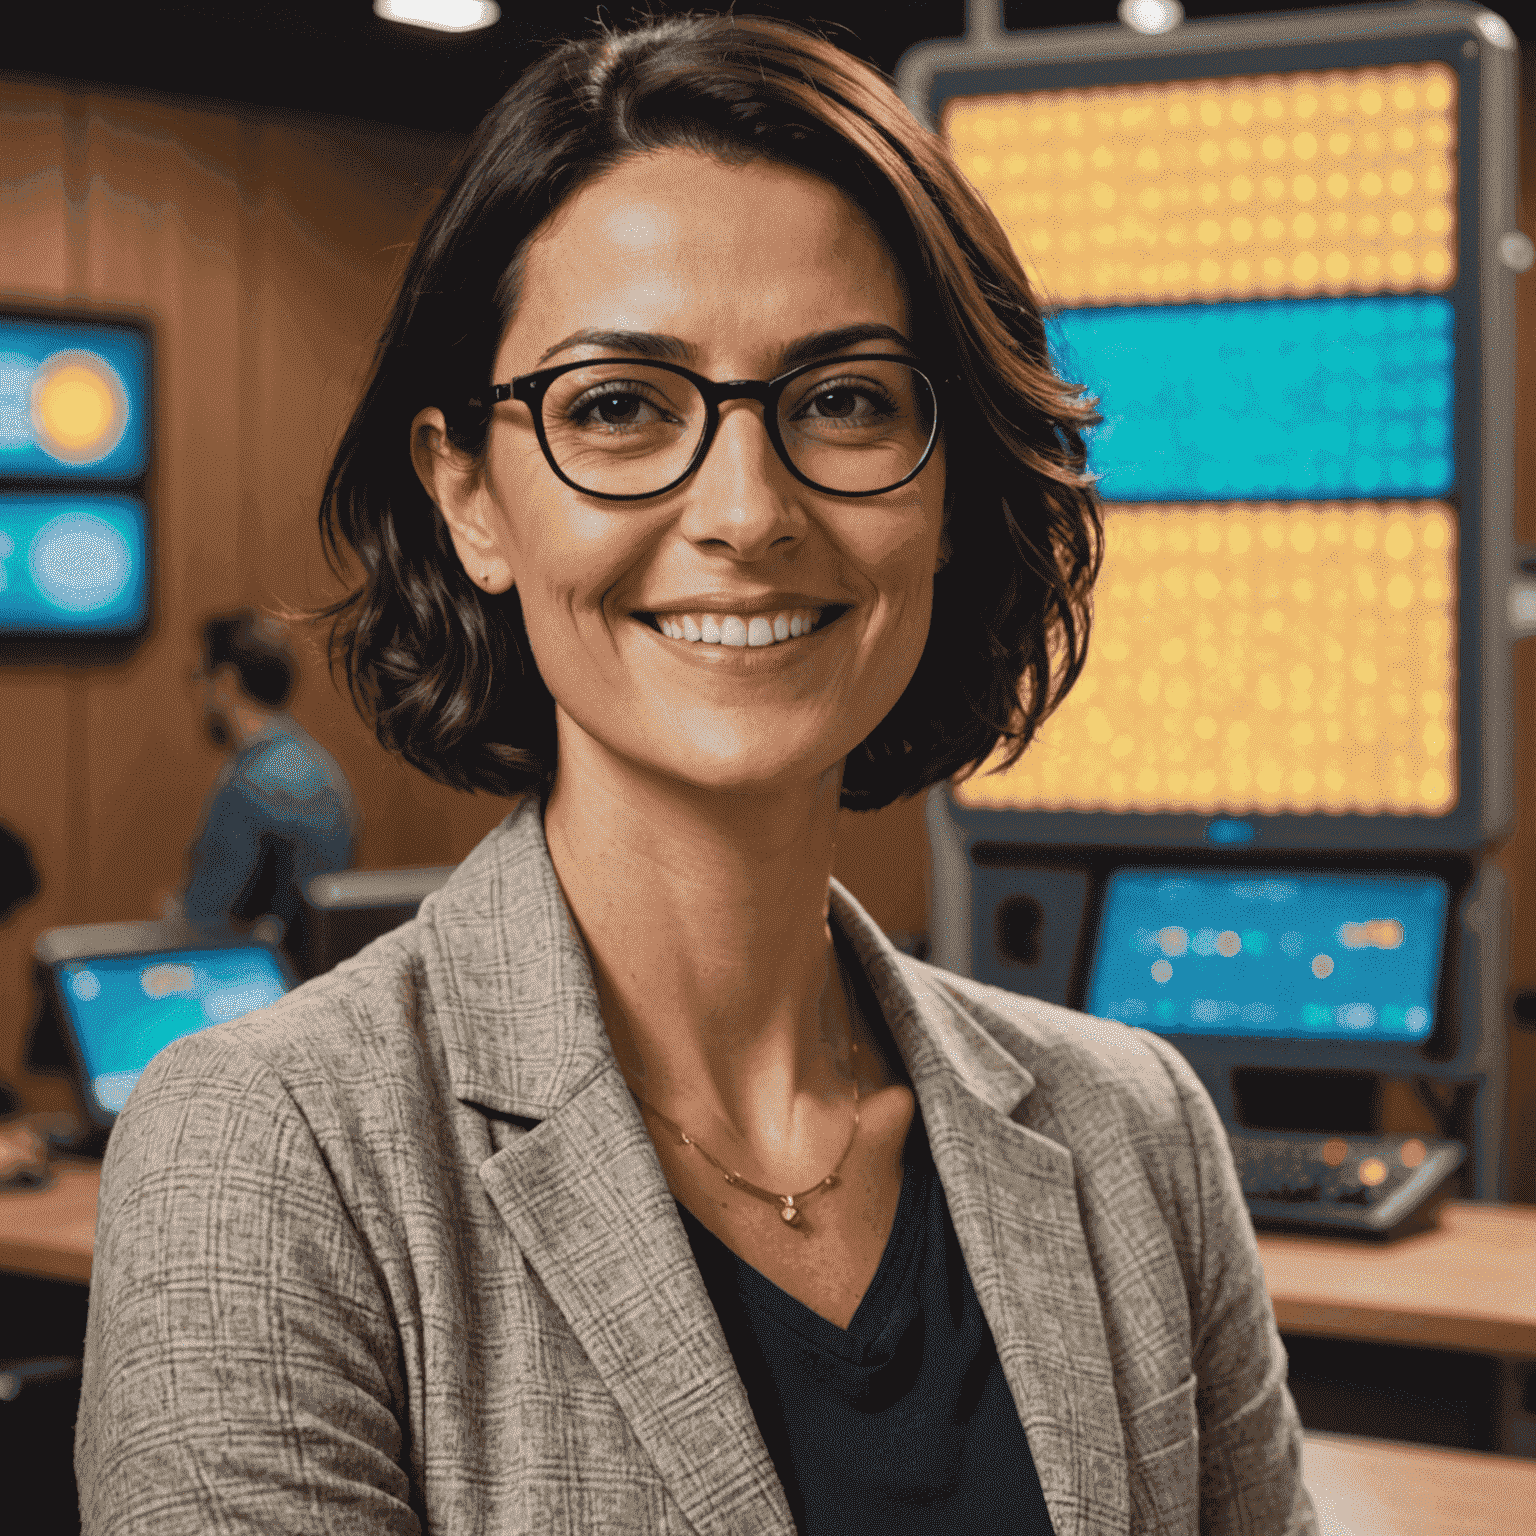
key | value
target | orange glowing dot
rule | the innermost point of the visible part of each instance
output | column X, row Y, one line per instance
column 1413, row 1153
column 1322, row 966
column 1372, row 1171
column 1335, row 1151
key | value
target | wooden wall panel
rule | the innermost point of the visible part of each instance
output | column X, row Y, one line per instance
column 263, row 249
column 41, row 709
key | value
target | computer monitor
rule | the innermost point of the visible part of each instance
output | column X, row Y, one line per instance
column 1258, row 954
column 348, row 910
column 117, row 1003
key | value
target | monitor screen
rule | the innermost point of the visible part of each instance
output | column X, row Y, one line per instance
column 74, row 399
column 125, row 1009
column 1296, row 955
column 73, row 565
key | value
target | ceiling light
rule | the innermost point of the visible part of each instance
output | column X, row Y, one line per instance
column 440, row 15
column 1151, row 16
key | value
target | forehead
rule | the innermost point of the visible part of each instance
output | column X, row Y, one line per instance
column 733, row 260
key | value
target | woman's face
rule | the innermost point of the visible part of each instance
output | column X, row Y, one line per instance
column 726, row 268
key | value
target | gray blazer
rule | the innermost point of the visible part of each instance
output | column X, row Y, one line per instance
column 396, row 1255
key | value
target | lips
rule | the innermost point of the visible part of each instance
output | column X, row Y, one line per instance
column 740, row 629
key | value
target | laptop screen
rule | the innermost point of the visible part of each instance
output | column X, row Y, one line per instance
column 1294, row 955
column 125, row 1009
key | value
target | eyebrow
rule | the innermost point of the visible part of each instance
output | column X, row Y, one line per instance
column 673, row 349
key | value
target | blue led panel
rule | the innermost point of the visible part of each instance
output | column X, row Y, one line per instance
column 125, row 1009
column 72, row 565
column 74, row 400
column 1287, row 957
column 1283, row 399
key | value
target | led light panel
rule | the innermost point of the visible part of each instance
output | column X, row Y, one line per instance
column 1258, row 660
column 73, row 400
column 1317, row 397
column 1342, row 181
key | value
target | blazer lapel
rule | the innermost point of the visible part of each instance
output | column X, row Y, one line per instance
column 582, row 1191
column 587, row 1202
column 585, row 1198
column 1013, row 1200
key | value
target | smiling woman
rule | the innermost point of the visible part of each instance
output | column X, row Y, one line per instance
column 712, row 477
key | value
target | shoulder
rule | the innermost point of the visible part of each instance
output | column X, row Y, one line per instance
column 327, row 1064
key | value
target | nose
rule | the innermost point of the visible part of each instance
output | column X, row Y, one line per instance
column 741, row 499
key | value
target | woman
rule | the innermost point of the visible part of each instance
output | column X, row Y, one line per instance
column 712, row 476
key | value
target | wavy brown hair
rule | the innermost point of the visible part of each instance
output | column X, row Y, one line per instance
column 444, row 671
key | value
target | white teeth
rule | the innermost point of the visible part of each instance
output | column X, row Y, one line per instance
column 756, row 631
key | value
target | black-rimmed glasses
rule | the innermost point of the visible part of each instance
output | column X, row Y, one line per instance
column 624, row 429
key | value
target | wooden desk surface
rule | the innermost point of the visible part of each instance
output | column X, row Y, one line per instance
column 1382, row 1488
column 1469, row 1284
column 52, row 1232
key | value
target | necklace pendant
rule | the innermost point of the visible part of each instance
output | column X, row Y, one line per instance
column 790, row 1212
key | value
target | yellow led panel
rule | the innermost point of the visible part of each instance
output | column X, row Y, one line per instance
column 1194, row 191
column 1253, row 658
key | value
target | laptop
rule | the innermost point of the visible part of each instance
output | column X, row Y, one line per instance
column 119, row 993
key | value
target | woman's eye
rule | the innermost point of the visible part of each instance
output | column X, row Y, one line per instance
column 850, row 403
column 616, row 410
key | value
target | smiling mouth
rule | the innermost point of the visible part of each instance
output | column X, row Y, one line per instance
column 754, row 630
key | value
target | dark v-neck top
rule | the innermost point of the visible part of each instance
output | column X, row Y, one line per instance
column 903, row 1423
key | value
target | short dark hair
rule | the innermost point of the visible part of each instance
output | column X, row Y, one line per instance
column 445, row 671
column 254, row 646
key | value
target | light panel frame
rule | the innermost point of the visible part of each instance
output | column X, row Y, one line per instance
column 1480, row 47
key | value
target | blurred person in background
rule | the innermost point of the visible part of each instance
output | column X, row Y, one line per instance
column 281, row 810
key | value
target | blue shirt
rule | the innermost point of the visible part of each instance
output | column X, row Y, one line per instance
column 281, row 812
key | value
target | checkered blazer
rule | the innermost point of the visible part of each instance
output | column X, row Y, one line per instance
column 396, row 1255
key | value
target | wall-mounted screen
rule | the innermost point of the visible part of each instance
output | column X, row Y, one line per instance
column 74, row 400
column 72, row 564
column 75, row 439
column 1294, row 955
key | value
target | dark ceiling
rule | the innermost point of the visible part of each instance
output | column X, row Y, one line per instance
column 336, row 56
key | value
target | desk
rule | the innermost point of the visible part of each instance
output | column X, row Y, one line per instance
column 1470, row 1284
column 1381, row 1488
column 51, row 1233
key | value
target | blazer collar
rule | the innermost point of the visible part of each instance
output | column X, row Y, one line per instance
column 519, row 1012
column 585, row 1198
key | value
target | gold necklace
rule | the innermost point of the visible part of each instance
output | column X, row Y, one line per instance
column 789, row 1209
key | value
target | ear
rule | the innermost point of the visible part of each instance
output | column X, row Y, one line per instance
column 459, row 492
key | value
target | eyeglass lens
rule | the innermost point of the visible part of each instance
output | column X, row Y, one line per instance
column 622, row 428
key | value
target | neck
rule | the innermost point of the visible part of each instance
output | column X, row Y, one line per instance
column 246, row 722
column 705, row 916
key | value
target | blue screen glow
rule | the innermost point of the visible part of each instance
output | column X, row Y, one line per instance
column 72, row 565
column 1292, row 399
column 1285, row 956
column 74, row 400
column 125, row 1009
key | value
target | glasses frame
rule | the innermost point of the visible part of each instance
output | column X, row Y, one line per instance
column 532, row 390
